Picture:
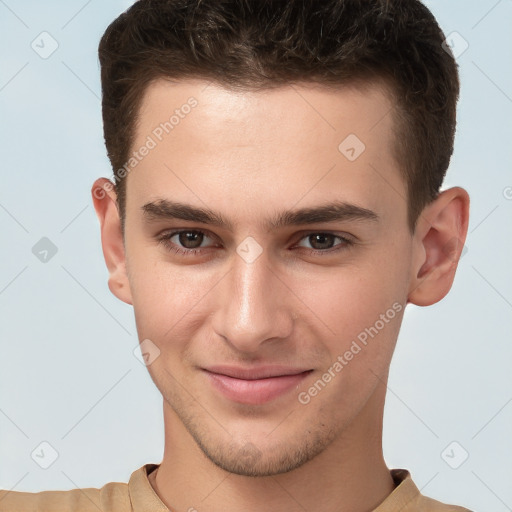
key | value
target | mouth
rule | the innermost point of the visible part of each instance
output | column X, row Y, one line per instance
column 254, row 386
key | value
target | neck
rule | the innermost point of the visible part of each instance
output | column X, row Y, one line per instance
column 350, row 475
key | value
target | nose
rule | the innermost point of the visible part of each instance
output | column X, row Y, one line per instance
column 254, row 305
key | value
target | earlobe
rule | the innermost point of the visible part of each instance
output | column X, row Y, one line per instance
column 105, row 203
column 438, row 243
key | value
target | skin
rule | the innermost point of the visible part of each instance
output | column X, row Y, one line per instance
column 248, row 156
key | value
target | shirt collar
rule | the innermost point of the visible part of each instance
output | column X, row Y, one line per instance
column 143, row 497
column 403, row 496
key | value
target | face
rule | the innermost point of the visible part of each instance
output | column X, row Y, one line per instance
column 268, row 259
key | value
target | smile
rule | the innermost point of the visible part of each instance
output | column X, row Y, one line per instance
column 257, row 386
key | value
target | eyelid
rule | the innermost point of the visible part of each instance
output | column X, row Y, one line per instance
column 341, row 234
column 166, row 238
column 169, row 233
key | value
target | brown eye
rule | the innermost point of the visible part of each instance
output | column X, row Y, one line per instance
column 190, row 239
column 186, row 242
column 324, row 241
column 321, row 240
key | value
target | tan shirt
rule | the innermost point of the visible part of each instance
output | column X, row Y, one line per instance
column 138, row 496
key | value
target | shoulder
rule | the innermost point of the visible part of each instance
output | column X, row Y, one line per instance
column 112, row 497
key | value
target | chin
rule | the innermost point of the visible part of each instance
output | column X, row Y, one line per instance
column 249, row 459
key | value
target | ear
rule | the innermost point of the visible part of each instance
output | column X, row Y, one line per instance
column 438, row 242
column 104, row 198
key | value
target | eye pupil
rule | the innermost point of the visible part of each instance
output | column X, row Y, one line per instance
column 193, row 237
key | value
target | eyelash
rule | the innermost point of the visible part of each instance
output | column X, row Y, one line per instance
column 165, row 241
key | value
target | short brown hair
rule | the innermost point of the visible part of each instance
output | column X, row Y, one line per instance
column 255, row 44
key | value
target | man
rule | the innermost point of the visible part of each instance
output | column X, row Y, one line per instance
column 276, row 206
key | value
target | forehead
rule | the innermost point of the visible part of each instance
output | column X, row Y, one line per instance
column 304, row 109
column 274, row 145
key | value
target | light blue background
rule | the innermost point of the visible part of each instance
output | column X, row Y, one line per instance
column 68, row 374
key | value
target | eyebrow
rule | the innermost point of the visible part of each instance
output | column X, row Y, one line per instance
column 164, row 209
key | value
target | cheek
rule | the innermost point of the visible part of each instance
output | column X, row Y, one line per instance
column 348, row 300
column 363, row 307
column 365, row 316
column 166, row 297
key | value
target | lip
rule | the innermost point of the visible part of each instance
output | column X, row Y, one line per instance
column 255, row 386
